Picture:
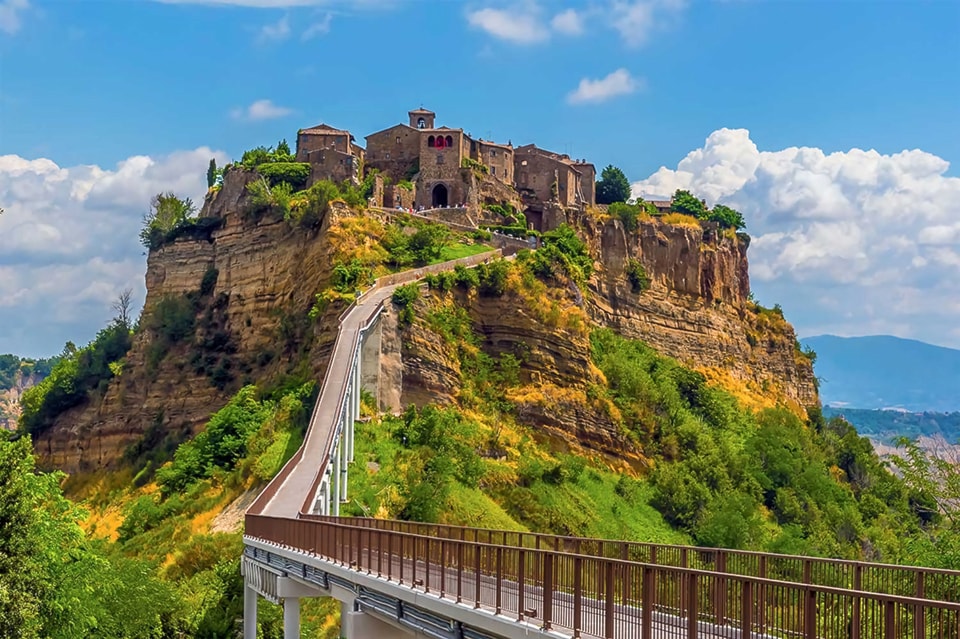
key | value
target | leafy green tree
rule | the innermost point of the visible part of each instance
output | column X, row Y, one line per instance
column 687, row 203
column 613, row 186
column 167, row 212
column 23, row 586
column 283, row 153
column 212, row 173
column 726, row 217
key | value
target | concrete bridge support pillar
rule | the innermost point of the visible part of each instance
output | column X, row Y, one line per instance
column 291, row 618
column 249, row 612
column 359, row 625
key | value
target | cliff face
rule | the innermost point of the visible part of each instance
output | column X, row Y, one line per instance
column 253, row 322
column 259, row 279
column 697, row 308
column 10, row 400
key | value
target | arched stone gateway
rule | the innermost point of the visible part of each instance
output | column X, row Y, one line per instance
column 439, row 196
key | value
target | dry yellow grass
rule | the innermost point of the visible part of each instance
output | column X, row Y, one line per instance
column 679, row 219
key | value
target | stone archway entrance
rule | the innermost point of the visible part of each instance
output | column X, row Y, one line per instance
column 439, row 196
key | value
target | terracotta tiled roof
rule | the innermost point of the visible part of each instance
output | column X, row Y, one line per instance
column 422, row 111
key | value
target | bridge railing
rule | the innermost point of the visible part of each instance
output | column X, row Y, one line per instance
column 908, row 581
column 608, row 597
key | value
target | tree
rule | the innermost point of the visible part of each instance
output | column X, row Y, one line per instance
column 687, row 203
column 283, row 153
column 122, row 306
column 167, row 212
column 613, row 186
column 726, row 217
column 212, row 173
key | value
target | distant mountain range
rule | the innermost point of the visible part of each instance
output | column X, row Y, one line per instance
column 882, row 371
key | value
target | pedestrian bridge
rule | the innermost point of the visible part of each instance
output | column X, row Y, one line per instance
column 397, row 580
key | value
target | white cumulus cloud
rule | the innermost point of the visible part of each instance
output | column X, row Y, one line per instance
column 69, row 241
column 10, row 15
column 852, row 242
column 261, row 110
column 617, row 83
column 522, row 24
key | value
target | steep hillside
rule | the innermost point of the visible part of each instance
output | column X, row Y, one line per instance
column 228, row 301
column 882, row 371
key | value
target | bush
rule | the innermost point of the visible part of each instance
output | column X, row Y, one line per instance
column 167, row 213
column 209, row 281
column 492, row 278
column 404, row 297
column 639, row 281
column 470, row 163
column 562, row 252
column 219, row 446
column 295, row 174
column 628, row 214
column 349, row 277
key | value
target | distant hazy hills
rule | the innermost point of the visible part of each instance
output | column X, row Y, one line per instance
column 886, row 372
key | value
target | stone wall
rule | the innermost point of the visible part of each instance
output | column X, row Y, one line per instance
column 588, row 181
column 499, row 158
column 308, row 142
column 538, row 172
column 392, row 157
column 330, row 164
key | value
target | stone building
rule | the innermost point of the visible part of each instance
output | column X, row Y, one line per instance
column 448, row 167
column 332, row 153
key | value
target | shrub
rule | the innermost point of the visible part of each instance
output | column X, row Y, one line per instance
column 209, row 281
column 628, row 214
column 639, row 280
column 347, row 278
column 726, row 217
column 493, row 278
column 467, row 278
column 470, row 163
column 562, row 251
column 404, row 297
column 293, row 173
column 167, row 213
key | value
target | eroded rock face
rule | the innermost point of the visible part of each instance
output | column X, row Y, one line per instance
column 267, row 275
column 10, row 399
column 696, row 309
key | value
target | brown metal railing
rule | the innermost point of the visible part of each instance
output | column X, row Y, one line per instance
column 613, row 598
column 907, row 581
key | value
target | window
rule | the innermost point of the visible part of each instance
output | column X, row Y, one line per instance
column 524, row 163
column 398, row 139
column 440, row 158
column 388, row 155
column 421, row 123
column 431, row 142
column 493, row 170
column 449, row 140
column 493, row 153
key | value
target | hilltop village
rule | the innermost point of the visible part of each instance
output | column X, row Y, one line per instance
column 423, row 166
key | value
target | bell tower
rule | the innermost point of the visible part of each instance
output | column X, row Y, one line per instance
column 422, row 119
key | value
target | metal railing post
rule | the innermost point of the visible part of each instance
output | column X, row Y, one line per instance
column 609, row 608
column 547, row 614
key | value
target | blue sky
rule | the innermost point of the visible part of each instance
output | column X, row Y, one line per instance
column 122, row 97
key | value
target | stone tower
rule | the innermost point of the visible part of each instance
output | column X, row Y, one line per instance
column 422, row 119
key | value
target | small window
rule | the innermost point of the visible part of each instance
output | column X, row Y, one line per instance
column 421, row 123
column 398, row 139
column 524, row 163
column 449, row 140
column 440, row 158
column 431, row 142
column 388, row 155
column 493, row 154
column 493, row 170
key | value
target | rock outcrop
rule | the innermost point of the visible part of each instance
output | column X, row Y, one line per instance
column 254, row 322
column 697, row 307
column 10, row 399
column 252, row 282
